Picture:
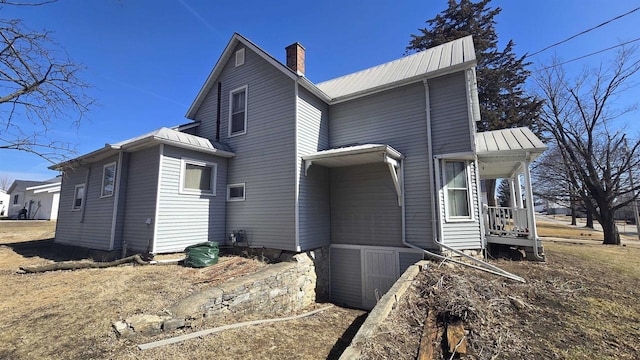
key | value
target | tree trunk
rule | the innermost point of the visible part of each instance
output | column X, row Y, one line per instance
column 589, row 219
column 611, row 235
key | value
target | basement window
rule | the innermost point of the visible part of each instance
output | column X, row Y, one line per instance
column 235, row 192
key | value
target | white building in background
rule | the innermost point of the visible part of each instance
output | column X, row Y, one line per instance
column 40, row 199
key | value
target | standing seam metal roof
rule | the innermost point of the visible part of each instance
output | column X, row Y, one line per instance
column 440, row 58
column 522, row 139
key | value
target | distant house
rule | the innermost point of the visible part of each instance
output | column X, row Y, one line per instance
column 372, row 167
column 39, row 198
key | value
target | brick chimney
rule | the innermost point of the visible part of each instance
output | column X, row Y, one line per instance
column 295, row 58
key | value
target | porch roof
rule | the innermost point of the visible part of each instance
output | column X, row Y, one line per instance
column 509, row 141
column 353, row 155
column 501, row 152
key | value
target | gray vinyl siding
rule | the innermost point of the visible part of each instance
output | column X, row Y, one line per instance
column 206, row 115
column 406, row 259
column 346, row 277
column 397, row 118
column 364, row 206
column 265, row 156
column 94, row 231
column 463, row 235
column 185, row 219
column 450, row 123
column 313, row 196
column 140, row 204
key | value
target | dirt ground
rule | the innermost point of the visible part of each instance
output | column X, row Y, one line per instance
column 68, row 314
column 581, row 304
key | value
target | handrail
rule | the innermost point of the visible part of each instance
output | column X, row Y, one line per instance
column 506, row 221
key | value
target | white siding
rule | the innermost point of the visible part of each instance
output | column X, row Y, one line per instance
column 398, row 118
column 313, row 197
column 265, row 159
column 94, row 230
column 185, row 219
column 140, row 203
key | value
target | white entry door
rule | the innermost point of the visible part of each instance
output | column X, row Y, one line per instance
column 380, row 273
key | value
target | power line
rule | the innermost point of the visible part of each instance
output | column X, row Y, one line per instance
column 582, row 33
column 587, row 55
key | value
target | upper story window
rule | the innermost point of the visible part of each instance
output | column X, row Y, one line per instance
column 238, row 111
column 15, row 199
column 108, row 179
column 457, row 190
column 78, row 197
column 240, row 57
column 198, row 177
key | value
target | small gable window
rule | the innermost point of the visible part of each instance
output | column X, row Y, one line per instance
column 238, row 111
column 198, row 177
column 235, row 192
column 108, row 179
column 78, row 197
column 240, row 57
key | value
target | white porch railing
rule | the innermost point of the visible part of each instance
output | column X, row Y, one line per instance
column 506, row 221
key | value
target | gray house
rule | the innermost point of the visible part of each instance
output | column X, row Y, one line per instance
column 374, row 167
column 39, row 199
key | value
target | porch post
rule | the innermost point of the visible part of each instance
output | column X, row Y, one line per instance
column 512, row 189
column 533, row 232
column 518, row 187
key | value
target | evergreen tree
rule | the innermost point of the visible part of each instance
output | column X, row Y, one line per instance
column 500, row 73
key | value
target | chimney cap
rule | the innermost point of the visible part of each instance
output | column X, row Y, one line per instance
column 296, row 44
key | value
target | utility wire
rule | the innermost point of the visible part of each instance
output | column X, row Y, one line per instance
column 582, row 33
column 591, row 54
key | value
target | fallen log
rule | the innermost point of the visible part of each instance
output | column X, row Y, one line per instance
column 83, row 265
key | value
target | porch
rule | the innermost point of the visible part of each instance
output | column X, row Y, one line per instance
column 507, row 154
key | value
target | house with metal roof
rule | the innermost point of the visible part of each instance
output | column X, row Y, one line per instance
column 374, row 169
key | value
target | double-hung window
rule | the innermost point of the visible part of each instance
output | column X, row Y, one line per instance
column 108, row 179
column 457, row 187
column 238, row 111
column 198, row 177
column 78, row 197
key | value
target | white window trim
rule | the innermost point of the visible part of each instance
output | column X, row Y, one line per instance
column 75, row 193
column 244, row 192
column 240, row 57
column 115, row 178
column 445, row 188
column 246, row 105
column 214, row 177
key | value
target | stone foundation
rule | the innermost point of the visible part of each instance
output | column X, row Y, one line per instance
column 276, row 289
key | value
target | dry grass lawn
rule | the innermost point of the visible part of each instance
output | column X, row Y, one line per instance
column 68, row 314
column 581, row 304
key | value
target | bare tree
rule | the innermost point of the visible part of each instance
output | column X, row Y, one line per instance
column 40, row 90
column 577, row 115
column 5, row 182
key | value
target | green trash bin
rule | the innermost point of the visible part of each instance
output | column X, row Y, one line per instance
column 202, row 254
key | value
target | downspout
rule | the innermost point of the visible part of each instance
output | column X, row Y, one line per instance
column 218, row 111
column 436, row 238
column 116, row 194
column 86, row 191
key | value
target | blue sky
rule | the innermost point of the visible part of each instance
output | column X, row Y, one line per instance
column 147, row 60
